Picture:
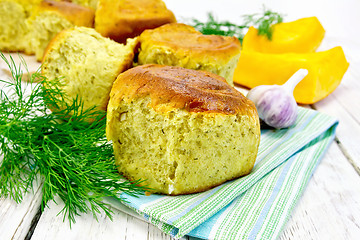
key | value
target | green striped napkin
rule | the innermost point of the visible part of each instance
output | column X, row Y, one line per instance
column 256, row 206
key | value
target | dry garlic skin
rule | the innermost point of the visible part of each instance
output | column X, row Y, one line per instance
column 276, row 104
column 181, row 130
column 276, row 107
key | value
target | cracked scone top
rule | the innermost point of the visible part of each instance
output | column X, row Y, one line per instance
column 180, row 130
column 122, row 19
column 178, row 44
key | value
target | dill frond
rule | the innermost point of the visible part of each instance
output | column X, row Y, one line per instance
column 214, row 27
column 59, row 147
column 262, row 21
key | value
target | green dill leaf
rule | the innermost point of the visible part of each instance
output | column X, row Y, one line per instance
column 60, row 147
column 215, row 27
column 262, row 21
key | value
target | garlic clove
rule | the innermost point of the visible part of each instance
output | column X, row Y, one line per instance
column 276, row 104
column 277, row 108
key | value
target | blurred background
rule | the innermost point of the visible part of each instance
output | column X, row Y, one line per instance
column 339, row 18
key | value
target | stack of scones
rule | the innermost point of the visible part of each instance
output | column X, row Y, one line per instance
column 173, row 116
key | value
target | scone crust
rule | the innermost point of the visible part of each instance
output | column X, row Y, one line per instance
column 124, row 19
column 178, row 44
column 185, row 40
column 172, row 87
column 76, row 14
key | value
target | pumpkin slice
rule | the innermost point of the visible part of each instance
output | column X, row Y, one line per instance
column 300, row 36
column 326, row 70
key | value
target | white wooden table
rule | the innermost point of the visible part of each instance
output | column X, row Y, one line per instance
column 330, row 205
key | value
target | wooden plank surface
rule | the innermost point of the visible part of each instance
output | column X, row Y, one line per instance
column 122, row 227
column 344, row 102
column 15, row 219
column 324, row 211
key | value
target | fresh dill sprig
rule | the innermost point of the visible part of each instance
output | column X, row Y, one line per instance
column 215, row 27
column 262, row 21
column 65, row 151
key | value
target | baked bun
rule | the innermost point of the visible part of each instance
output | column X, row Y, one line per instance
column 13, row 29
column 86, row 64
column 29, row 25
column 52, row 17
column 181, row 45
column 122, row 19
column 181, row 130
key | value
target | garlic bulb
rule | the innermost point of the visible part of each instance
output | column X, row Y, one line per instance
column 276, row 104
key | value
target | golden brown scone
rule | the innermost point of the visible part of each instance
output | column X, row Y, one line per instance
column 28, row 25
column 74, row 13
column 181, row 45
column 124, row 19
column 52, row 17
column 86, row 65
column 181, row 130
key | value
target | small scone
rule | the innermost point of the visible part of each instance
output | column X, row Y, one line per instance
column 29, row 25
column 13, row 29
column 50, row 18
column 86, row 64
column 181, row 45
column 122, row 19
column 180, row 130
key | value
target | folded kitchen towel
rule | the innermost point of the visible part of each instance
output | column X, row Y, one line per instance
column 255, row 206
